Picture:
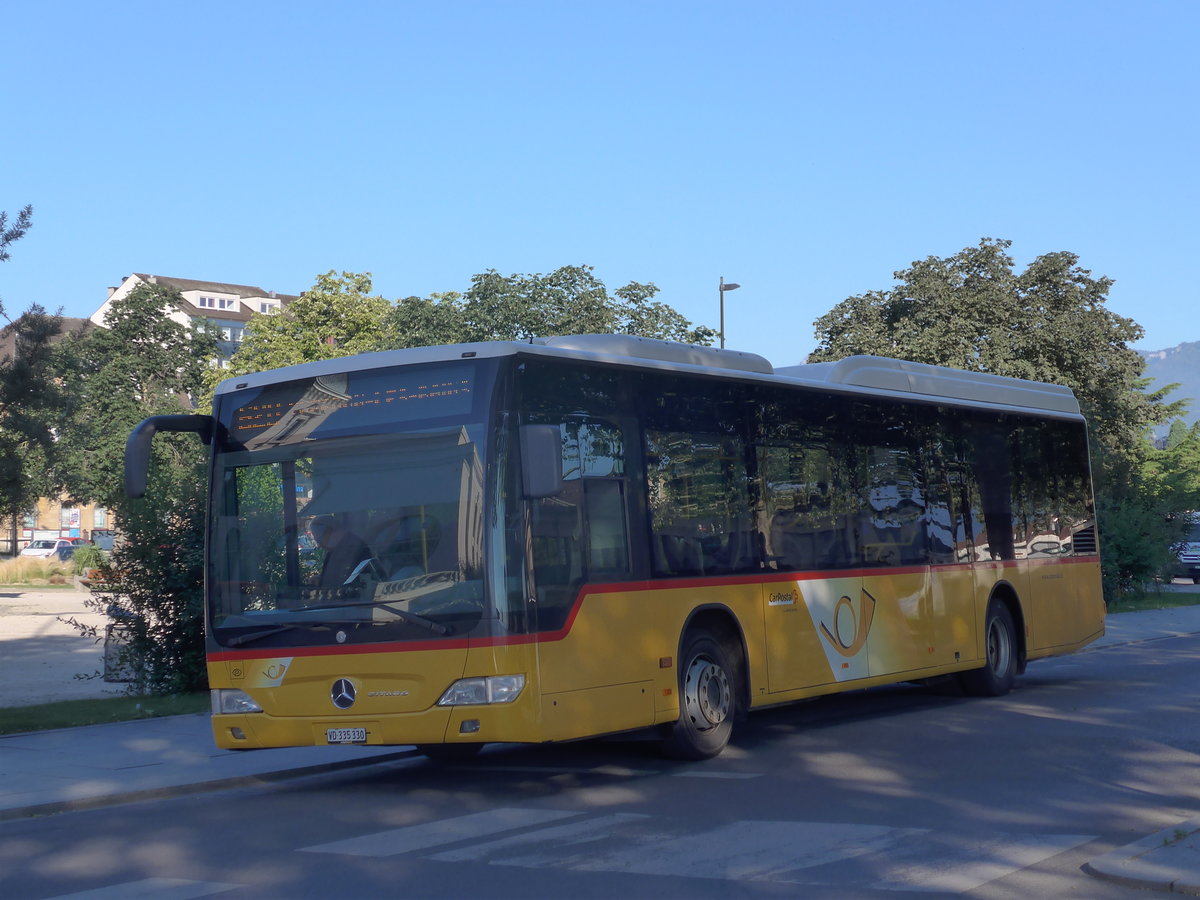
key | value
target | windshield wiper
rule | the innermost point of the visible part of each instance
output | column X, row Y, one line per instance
column 404, row 615
column 238, row 639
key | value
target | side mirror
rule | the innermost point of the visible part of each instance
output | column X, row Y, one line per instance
column 137, row 447
column 541, row 460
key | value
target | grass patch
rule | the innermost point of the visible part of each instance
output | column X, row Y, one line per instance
column 1154, row 597
column 73, row 713
column 33, row 571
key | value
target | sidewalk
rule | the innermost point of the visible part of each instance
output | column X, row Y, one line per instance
column 52, row 771
column 44, row 660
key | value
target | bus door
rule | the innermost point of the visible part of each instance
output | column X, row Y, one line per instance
column 811, row 621
column 580, row 536
column 896, row 614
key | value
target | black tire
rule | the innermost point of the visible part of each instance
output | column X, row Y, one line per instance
column 449, row 753
column 995, row 677
column 708, row 692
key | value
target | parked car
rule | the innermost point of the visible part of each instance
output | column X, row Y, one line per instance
column 1189, row 556
column 45, row 548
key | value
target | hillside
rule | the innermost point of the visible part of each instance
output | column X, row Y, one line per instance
column 1177, row 365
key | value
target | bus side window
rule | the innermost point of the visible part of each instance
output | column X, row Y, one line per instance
column 988, row 459
column 700, row 511
column 581, row 533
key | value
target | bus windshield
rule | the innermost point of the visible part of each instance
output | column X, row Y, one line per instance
column 349, row 509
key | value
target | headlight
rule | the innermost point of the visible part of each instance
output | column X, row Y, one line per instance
column 232, row 702
column 482, row 691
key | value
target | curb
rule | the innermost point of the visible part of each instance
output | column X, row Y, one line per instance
column 200, row 787
column 1130, row 866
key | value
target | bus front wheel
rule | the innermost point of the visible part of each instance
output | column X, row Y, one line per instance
column 995, row 677
column 707, row 699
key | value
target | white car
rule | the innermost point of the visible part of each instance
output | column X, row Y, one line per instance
column 45, row 548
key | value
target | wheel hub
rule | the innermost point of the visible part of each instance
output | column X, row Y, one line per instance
column 708, row 695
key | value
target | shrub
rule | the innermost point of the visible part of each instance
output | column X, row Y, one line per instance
column 87, row 556
column 152, row 584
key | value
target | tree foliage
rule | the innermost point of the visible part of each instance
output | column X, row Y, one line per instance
column 569, row 300
column 140, row 364
column 1174, row 471
column 30, row 397
column 1049, row 323
column 145, row 363
column 340, row 316
column 974, row 311
column 31, row 403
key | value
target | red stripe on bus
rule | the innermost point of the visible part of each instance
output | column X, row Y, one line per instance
column 659, row 584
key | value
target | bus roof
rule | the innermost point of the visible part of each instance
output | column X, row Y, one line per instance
column 867, row 375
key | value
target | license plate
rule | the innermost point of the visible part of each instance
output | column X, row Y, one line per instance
column 346, row 735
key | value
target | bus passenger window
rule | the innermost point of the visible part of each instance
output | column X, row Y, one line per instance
column 581, row 534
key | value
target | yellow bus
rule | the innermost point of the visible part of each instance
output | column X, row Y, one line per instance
column 579, row 536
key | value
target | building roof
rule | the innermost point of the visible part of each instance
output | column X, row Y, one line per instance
column 242, row 291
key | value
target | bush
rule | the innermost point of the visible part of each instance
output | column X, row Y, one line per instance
column 87, row 556
column 153, row 582
column 1136, row 540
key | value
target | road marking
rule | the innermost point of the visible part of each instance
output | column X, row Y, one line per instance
column 875, row 857
column 623, row 842
column 154, row 889
column 960, row 863
column 437, row 833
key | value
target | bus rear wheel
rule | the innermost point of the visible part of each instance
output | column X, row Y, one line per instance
column 707, row 700
column 995, row 677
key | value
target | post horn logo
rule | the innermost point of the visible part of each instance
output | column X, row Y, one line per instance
column 850, row 627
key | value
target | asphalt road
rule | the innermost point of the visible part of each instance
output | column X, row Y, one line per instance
column 905, row 791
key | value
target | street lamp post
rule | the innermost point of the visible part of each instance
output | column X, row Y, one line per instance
column 722, row 289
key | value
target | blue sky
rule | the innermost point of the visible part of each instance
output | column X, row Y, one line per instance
column 804, row 150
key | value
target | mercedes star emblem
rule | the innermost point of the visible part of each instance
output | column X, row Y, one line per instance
column 342, row 693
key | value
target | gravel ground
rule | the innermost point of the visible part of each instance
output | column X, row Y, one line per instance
column 43, row 659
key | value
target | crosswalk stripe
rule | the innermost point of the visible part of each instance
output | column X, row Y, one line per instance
column 625, row 842
column 439, row 832
column 153, row 889
column 875, row 857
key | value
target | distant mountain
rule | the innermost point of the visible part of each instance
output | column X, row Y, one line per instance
column 1179, row 365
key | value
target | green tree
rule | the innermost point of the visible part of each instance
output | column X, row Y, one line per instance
column 144, row 363
column 424, row 322
column 1048, row 323
column 569, row 300
column 338, row 316
column 140, row 364
column 31, row 404
column 1177, row 434
column 31, row 398
column 1174, row 471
